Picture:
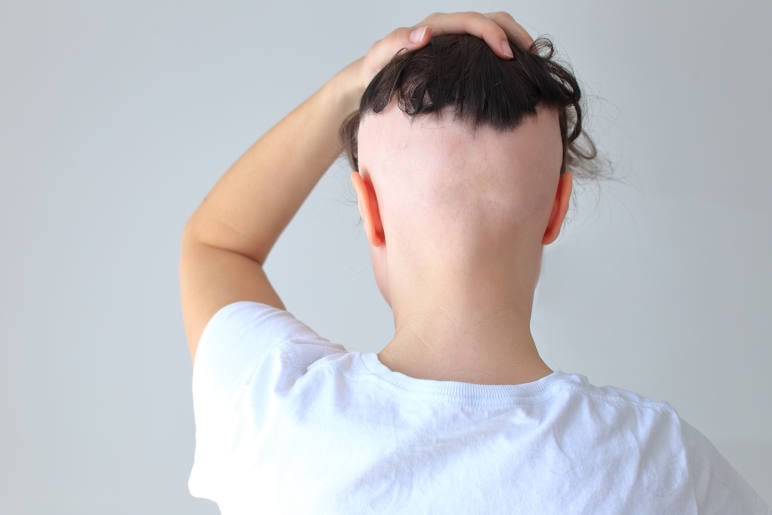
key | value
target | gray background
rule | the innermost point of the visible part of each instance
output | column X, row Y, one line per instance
column 118, row 117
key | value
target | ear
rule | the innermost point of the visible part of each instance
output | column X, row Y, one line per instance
column 368, row 209
column 559, row 208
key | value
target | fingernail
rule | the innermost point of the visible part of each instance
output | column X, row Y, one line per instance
column 507, row 49
column 418, row 34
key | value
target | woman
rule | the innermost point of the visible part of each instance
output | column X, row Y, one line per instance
column 463, row 141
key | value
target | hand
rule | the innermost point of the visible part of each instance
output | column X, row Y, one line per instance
column 494, row 28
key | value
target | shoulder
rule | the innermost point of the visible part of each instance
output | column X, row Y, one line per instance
column 621, row 401
column 246, row 338
column 672, row 455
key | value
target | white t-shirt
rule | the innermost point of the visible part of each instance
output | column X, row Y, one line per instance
column 289, row 422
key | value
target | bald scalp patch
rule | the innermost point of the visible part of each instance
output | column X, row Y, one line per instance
column 442, row 183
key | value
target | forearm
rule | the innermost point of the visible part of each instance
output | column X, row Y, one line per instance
column 254, row 201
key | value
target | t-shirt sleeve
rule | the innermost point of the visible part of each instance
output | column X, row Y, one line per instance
column 241, row 340
column 718, row 487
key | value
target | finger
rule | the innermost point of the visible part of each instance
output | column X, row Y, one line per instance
column 383, row 50
column 513, row 29
column 472, row 23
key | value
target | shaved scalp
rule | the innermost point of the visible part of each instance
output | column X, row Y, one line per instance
column 451, row 192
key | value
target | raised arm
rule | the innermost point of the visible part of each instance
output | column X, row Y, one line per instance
column 228, row 237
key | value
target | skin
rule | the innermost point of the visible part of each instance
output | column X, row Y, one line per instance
column 456, row 220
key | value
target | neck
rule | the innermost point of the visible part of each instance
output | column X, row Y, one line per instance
column 474, row 330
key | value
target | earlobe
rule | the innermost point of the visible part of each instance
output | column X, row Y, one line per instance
column 368, row 209
column 559, row 208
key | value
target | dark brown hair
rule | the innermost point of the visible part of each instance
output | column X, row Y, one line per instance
column 461, row 71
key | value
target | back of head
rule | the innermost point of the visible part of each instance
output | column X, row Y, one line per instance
column 465, row 149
